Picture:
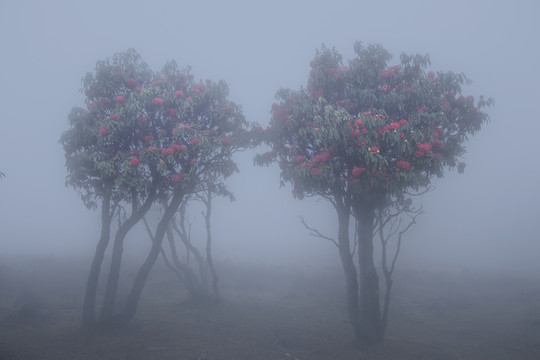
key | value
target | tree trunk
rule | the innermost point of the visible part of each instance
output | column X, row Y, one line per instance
column 144, row 271
column 209, row 259
column 351, row 280
column 109, row 298
column 189, row 278
column 89, row 304
column 370, row 313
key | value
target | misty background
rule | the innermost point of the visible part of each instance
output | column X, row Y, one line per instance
column 486, row 219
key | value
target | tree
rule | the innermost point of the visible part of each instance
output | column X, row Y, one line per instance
column 98, row 146
column 145, row 137
column 364, row 137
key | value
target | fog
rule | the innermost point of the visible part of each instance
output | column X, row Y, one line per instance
column 485, row 219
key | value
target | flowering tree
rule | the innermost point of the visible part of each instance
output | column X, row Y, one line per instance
column 201, row 130
column 98, row 148
column 145, row 137
column 364, row 136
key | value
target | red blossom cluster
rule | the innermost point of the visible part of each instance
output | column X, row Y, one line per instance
column 178, row 177
column 298, row 159
column 103, row 130
column 356, row 171
column 134, row 161
column 197, row 89
column 390, row 71
column 315, row 171
column 402, row 164
column 158, row 101
column 322, row 158
column 121, row 100
column 390, row 127
column 225, row 141
column 422, row 150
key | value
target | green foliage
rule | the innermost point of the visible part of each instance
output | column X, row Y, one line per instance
column 143, row 133
column 370, row 130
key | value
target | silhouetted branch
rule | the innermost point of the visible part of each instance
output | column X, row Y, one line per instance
column 316, row 233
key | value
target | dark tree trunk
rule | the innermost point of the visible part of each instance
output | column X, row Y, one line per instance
column 144, row 271
column 109, row 298
column 351, row 280
column 189, row 279
column 89, row 304
column 209, row 260
column 371, row 328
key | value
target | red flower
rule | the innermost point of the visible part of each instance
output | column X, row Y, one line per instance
column 298, row 159
column 143, row 120
column 225, row 141
column 179, row 93
column 178, row 177
column 152, row 148
column 134, row 161
column 359, row 122
column 120, row 100
column 165, row 152
column 103, row 130
column 131, row 82
column 419, row 154
column 358, row 171
column 437, row 144
column 193, row 141
column 425, row 147
column 402, row 164
column 158, row 102
column 148, row 138
column 176, row 147
column 315, row 171
column 114, row 117
column 197, row 88
column 403, row 122
column 374, row 149
column 389, row 72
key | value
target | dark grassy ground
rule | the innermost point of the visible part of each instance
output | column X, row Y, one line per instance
column 268, row 313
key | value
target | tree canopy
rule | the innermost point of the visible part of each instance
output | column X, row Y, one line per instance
column 370, row 129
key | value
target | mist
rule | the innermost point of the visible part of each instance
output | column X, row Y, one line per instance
column 482, row 221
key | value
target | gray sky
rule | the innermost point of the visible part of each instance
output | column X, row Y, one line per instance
column 486, row 218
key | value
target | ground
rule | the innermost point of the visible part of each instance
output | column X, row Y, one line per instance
column 281, row 312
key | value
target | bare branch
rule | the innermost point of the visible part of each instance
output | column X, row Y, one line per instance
column 427, row 189
column 316, row 233
column 413, row 221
